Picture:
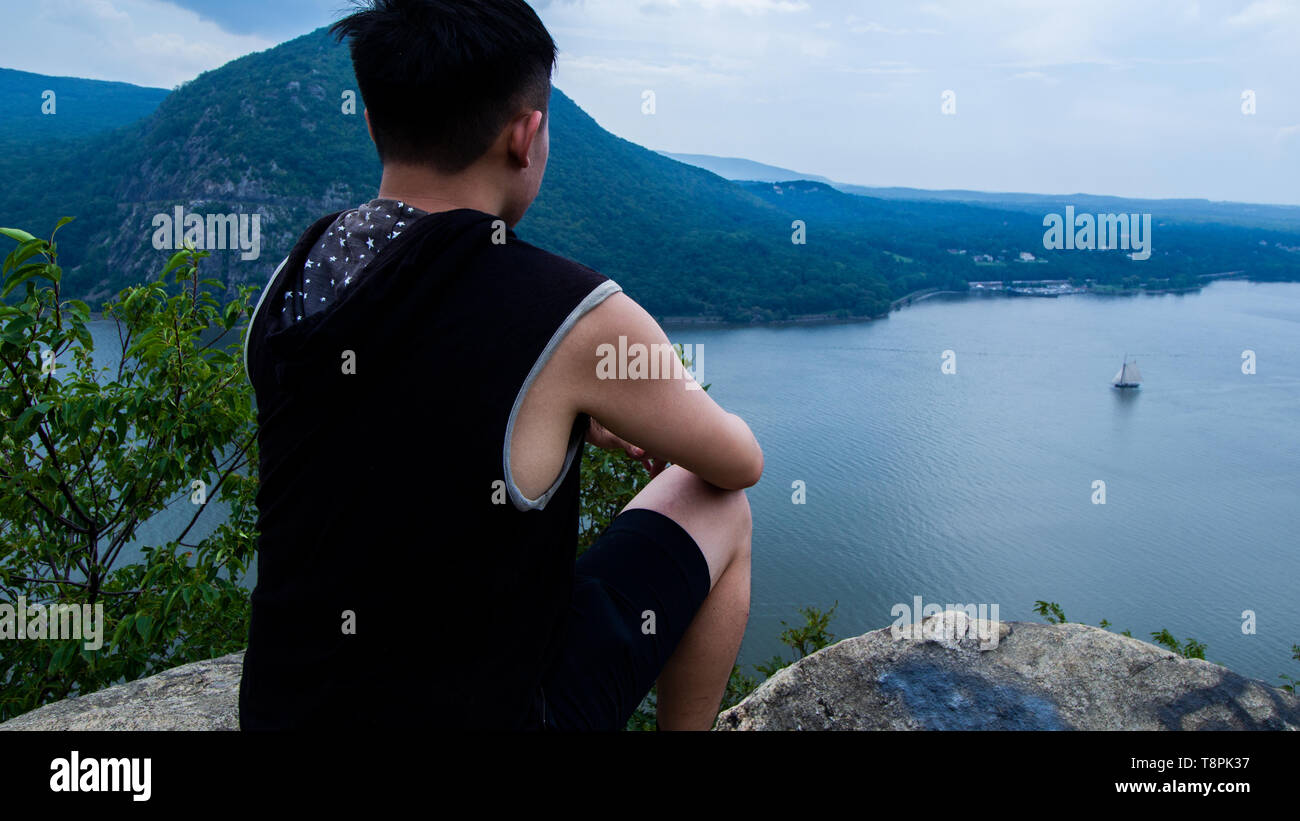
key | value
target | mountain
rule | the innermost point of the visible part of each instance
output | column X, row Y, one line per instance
column 77, row 108
column 269, row 134
column 735, row 168
column 938, row 235
column 1279, row 217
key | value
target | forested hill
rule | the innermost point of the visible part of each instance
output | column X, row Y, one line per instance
column 35, row 107
column 976, row 242
column 269, row 134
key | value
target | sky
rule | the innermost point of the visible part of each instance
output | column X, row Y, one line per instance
column 1138, row 98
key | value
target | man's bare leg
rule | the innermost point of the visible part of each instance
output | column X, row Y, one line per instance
column 694, row 680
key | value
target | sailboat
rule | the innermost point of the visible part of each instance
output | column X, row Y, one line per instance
column 1128, row 376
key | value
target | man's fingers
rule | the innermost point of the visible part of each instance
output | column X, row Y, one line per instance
column 602, row 437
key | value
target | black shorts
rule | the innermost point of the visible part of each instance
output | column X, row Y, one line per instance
column 636, row 591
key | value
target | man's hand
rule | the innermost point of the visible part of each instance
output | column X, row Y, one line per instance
column 599, row 436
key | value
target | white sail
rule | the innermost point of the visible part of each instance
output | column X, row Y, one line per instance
column 1128, row 374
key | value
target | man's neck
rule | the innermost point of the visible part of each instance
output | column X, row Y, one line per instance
column 430, row 191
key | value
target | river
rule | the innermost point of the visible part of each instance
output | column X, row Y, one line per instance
column 977, row 487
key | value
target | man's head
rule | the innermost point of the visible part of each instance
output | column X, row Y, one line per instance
column 456, row 87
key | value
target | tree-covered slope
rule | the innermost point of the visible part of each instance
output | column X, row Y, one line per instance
column 928, row 231
column 38, row 107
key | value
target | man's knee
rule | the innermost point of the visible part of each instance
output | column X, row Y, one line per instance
column 742, row 520
column 719, row 520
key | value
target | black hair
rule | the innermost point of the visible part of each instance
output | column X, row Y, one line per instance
column 441, row 78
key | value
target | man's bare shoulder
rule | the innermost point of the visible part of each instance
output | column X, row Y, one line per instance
column 616, row 315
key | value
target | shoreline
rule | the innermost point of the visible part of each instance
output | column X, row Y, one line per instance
column 685, row 322
column 716, row 322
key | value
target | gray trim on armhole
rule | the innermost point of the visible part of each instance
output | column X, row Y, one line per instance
column 253, row 316
column 517, row 497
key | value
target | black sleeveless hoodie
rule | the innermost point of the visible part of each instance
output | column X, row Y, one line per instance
column 404, row 581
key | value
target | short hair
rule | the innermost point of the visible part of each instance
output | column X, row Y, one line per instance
column 441, row 78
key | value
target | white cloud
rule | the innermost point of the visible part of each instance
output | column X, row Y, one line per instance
column 1036, row 75
column 1263, row 12
column 857, row 25
column 147, row 42
column 625, row 70
column 750, row 7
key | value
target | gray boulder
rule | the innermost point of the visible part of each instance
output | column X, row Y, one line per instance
column 199, row 696
column 951, row 673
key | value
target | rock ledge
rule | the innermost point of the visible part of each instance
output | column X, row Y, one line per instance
column 950, row 674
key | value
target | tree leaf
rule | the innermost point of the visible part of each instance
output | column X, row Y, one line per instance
column 23, row 274
column 23, row 252
column 17, row 234
column 176, row 261
column 143, row 624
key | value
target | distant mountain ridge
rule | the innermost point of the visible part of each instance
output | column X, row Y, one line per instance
column 1282, row 217
column 736, row 168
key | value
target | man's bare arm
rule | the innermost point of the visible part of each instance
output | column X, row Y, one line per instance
column 665, row 417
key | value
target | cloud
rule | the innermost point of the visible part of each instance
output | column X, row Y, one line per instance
column 147, row 42
column 880, row 68
column 859, row 26
column 1036, row 75
column 624, row 70
column 1262, row 12
column 749, row 7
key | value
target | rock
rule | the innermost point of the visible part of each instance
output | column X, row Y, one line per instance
column 199, row 696
column 953, row 675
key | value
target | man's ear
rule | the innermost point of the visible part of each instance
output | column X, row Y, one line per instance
column 523, row 131
column 369, row 128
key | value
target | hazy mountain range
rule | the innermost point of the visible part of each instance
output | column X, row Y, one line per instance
column 268, row 134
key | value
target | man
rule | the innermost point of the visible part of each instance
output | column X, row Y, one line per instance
column 425, row 382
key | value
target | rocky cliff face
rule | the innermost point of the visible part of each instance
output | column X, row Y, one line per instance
column 953, row 674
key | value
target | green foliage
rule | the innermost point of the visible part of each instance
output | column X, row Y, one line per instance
column 1051, row 612
column 807, row 638
column 1291, row 681
column 609, row 480
column 87, row 455
column 1190, row 648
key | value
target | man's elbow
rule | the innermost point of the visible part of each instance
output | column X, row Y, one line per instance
column 756, row 468
column 749, row 472
column 751, row 468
